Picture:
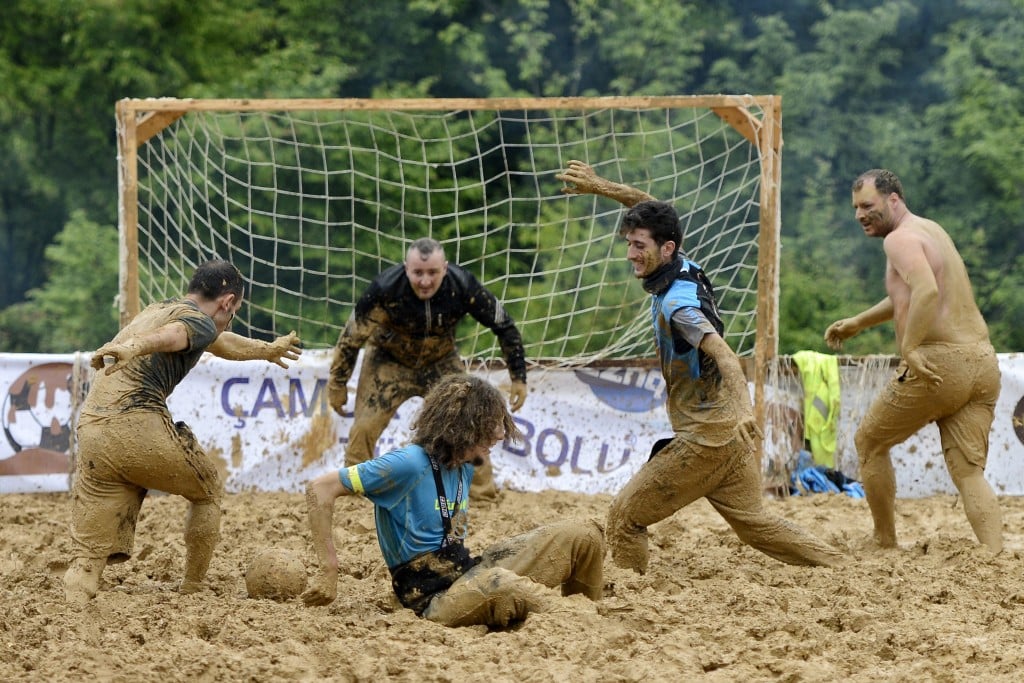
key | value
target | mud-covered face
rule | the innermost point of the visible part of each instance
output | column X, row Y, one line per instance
column 873, row 211
column 425, row 273
column 645, row 254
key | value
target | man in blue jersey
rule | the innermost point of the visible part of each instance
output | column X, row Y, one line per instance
column 712, row 452
column 420, row 495
column 127, row 442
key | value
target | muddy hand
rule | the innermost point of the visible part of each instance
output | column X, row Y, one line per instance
column 516, row 395
column 838, row 332
column 579, row 178
column 921, row 367
column 285, row 347
column 750, row 433
column 337, row 397
column 118, row 352
column 323, row 591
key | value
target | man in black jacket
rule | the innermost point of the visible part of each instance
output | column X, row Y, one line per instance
column 407, row 320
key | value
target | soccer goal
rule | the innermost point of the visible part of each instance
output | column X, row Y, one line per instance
column 312, row 198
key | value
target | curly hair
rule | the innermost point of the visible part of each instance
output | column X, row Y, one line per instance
column 458, row 414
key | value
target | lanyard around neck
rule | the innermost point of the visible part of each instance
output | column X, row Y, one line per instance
column 442, row 501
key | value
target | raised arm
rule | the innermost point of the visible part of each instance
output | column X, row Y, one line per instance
column 231, row 346
column 580, row 178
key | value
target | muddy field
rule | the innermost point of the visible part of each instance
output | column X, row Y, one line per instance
column 938, row 609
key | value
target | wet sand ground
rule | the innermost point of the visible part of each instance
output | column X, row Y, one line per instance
column 938, row 609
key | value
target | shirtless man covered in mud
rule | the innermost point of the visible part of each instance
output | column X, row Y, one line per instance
column 420, row 493
column 407, row 320
column 948, row 375
column 712, row 452
column 127, row 442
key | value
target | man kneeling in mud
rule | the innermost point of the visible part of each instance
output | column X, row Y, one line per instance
column 420, row 495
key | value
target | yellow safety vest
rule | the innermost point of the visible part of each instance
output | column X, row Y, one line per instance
column 820, row 375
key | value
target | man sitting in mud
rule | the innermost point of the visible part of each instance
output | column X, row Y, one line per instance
column 420, row 497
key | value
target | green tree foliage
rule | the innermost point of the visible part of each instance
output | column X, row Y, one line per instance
column 76, row 309
column 929, row 88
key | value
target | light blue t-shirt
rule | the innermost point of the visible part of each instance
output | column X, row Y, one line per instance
column 401, row 486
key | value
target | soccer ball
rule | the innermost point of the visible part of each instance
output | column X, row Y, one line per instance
column 275, row 573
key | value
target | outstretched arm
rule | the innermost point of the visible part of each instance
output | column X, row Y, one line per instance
column 231, row 346
column 841, row 330
column 167, row 339
column 320, row 496
column 580, row 178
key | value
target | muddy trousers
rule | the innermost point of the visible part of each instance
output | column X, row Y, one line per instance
column 509, row 581
column 728, row 477
column 383, row 387
column 119, row 459
column 963, row 409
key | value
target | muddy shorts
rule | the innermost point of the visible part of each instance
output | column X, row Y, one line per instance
column 962, row 407
column 118, row 460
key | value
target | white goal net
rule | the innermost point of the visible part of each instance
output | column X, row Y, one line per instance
column 312, row 198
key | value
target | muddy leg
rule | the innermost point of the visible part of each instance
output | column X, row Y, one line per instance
column 82, row 580
column 980, row 501
column 493, row 596
column 879, row 480
column 202, row 531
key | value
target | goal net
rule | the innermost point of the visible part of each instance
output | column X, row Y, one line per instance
column 313, row 198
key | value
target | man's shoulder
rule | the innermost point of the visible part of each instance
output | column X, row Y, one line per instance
column 388, row 277
column 462, row 280
column 409, row 458
column 182, row 310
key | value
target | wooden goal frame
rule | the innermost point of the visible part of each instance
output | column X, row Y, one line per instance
column 138, row 120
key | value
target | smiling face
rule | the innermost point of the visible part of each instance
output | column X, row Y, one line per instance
column 874, row 211
column 645, row 254
column 425, row 272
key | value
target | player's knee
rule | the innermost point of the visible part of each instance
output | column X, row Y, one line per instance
column 960, row 469
column 869, row 448
column 591, row 535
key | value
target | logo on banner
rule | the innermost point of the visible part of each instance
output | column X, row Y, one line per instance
column 632, row 390
column 37, row 420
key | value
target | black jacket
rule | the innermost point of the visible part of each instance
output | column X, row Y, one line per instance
column 416, row 333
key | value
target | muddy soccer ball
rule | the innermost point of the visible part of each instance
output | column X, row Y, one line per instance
column 277, row 574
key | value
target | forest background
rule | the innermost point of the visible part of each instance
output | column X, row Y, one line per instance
column 932, row 89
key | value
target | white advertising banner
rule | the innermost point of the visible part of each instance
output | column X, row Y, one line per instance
column 586, row 430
